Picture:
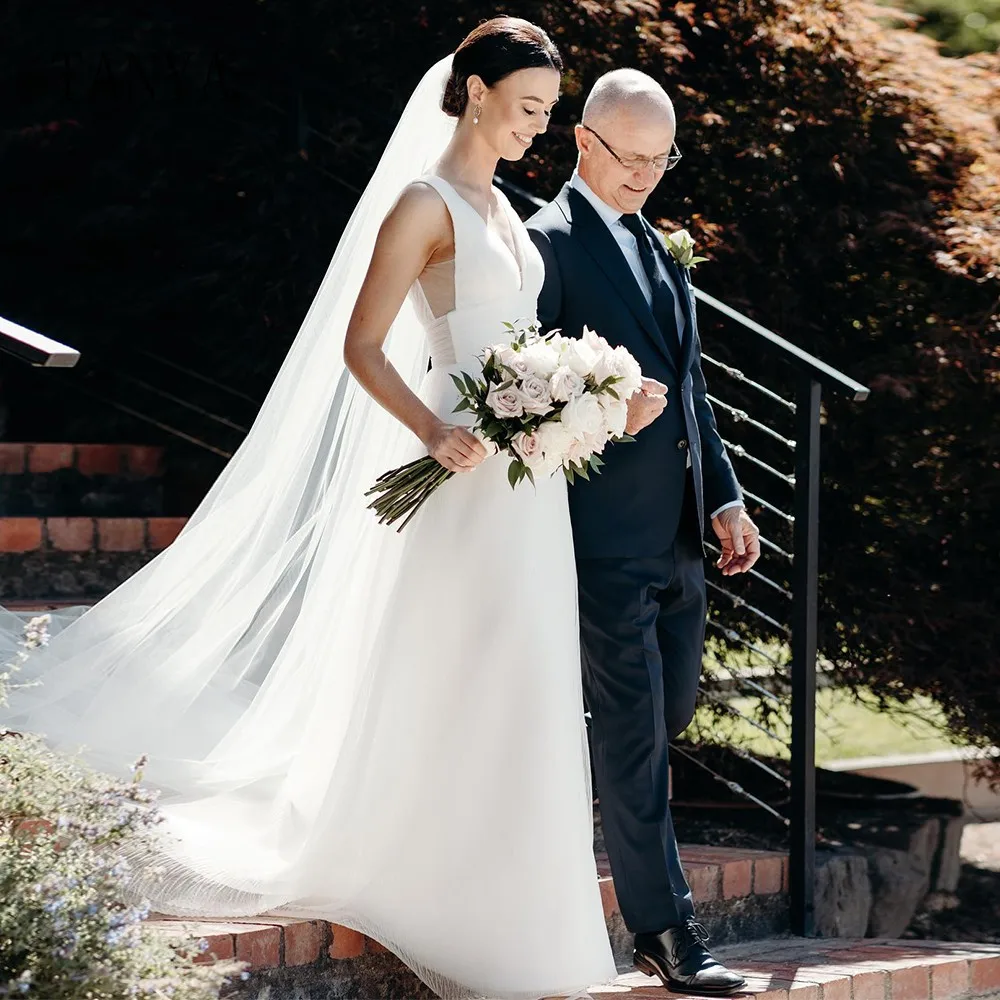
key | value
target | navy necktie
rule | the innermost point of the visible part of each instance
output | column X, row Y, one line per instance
column 663, row 297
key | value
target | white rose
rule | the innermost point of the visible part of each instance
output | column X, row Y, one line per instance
column 595, row 442
column 536, row 395
column 595, row 340
column 528, row 448
column 541, row 358
column 505, row 403
column 583, row 415
column 605, row 367
column 615, row 415
column 579, row 356
column 565, row 384
column 628, row 370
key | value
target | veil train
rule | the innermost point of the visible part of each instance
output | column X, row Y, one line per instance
column 239, row 654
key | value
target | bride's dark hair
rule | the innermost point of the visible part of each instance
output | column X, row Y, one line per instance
column 493, row 50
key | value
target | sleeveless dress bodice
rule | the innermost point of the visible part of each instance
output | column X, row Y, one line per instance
column 492, row 285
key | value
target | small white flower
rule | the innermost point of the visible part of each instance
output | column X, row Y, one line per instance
column 565, row 384
column 535, row 394
column 681, row 248
column 582, row 415
column 505, row 403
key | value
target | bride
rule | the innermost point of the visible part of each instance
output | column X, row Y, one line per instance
column 377, row 729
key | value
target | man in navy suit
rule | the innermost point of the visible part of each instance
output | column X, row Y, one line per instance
column 638, row 526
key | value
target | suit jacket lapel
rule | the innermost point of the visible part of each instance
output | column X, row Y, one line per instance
column 596, row 238
column 682, row 284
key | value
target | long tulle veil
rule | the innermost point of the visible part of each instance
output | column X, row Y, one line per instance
column 241, row 654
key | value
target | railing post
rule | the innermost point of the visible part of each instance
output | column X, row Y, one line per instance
column 802, row 854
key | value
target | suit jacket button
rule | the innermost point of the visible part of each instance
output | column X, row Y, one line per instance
column 682, row 444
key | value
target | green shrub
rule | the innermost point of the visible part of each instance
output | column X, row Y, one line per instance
column 65, row 931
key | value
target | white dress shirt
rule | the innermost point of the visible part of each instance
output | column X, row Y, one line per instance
column 611, row 217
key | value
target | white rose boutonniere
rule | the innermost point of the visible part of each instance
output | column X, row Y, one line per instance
column 681, row 248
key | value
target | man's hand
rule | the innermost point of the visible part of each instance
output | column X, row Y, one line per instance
column 645, row 405
column 739, row 539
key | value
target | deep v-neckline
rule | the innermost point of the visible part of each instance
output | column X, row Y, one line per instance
column 513, row 251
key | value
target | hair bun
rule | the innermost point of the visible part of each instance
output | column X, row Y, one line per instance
column 456, row 97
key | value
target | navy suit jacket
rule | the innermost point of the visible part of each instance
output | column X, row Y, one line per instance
column 633, row 507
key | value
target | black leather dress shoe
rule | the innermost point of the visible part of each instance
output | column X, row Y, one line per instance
column 679, row 958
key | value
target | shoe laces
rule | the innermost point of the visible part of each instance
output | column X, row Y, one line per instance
column 698, row 931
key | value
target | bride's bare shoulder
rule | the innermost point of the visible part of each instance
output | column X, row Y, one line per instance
column 420, row 214
column 421, row 202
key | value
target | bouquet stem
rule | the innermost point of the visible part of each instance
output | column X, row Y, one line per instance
column 403, row 491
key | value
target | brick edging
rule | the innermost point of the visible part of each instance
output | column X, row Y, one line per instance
column 87, row 459
column 88, row 534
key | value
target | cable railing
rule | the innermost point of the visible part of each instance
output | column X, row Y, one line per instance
column 771, row 427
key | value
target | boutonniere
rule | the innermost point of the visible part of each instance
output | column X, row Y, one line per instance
column 681, row 248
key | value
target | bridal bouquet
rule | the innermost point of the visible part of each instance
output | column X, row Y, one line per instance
column 549, row 402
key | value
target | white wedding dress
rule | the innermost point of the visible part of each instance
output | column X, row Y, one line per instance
column 382, row 730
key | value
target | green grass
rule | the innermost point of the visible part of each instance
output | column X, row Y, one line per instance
column 846, row 727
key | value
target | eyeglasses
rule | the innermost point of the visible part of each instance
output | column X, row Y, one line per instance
column 666, row 162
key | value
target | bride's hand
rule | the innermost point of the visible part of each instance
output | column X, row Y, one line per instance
column 455, row 448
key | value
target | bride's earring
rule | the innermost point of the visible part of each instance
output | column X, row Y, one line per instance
column 476, row 112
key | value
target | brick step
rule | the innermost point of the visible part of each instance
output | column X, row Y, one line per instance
column 88, row 534
column 88, row 459
column 303, row 960
column 76, row 559
column 740, row 894
column 80, row 479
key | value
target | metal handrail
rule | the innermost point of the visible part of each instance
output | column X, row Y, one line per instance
column 808, row 364
column 34, row 348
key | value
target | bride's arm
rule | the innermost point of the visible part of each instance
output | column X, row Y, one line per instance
column 417, row 229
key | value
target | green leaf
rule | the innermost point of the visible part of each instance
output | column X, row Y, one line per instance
column 596, row 461
column 570, row 476
column 463, row 405
column 513, row 472
column 582, row 471
column 458, row 383
column 530, row 475
column 508, row 326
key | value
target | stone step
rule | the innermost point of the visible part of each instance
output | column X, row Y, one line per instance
column 102, row 480
column 740, row 895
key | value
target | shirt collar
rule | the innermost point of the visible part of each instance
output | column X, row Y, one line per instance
column 609, row 215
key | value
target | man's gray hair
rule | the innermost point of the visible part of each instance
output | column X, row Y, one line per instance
column 622, row 90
